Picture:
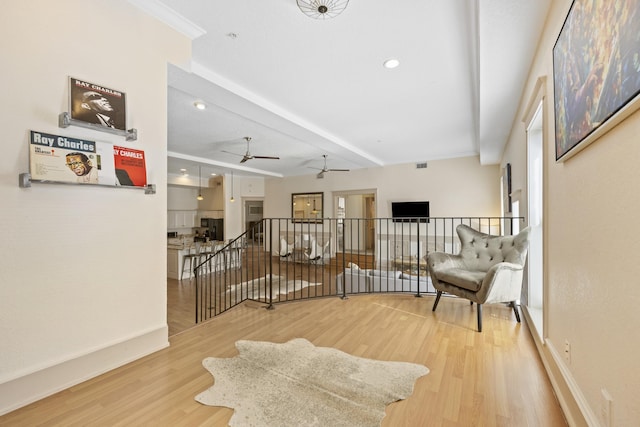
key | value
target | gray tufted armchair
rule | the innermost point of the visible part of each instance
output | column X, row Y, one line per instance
column 488, row 269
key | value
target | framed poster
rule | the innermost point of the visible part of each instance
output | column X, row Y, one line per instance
column 596, row 71
column 97, row 105
column 63, row 159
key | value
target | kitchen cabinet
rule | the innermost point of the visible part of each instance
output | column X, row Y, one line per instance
column 181, row 219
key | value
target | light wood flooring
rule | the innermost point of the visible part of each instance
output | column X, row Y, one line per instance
column 493, row 378
column 181, row 305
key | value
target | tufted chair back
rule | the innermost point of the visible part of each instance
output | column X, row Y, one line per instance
column 481, row 251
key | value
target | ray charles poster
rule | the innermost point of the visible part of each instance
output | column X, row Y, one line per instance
column 64, row 159
column 97, row 104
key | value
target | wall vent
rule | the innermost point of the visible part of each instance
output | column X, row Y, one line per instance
column 422, row 165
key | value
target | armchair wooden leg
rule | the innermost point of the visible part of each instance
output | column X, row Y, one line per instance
column 479, row 317
column 515, row 310
column 435, row 304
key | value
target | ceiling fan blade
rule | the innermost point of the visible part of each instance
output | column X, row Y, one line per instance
column 229, row 152
column 266, row 157
column 320, row 175
column 245, row 158
column 339, row 170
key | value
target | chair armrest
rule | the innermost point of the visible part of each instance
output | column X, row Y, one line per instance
column 503, row 283
column 500, row 268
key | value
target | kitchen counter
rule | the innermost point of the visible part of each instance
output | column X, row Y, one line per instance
column 176, row 251
column 178, row 247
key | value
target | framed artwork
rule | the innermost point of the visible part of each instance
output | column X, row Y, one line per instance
column 307, row 207
column 99, row 106
column 596, row 71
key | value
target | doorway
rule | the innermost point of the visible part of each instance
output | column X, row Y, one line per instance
column 253, row 215
column 360, row 204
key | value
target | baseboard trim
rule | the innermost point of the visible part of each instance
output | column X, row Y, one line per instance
column 574, row 406
column 32, row 387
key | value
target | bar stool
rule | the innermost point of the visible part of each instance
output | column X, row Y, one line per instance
column 192, row 257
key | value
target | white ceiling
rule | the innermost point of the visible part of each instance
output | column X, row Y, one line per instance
column 301, row 87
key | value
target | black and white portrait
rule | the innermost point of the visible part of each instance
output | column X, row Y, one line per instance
column 93, row 103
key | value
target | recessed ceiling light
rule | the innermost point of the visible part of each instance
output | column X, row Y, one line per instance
column 200, row 105
column 391, row 63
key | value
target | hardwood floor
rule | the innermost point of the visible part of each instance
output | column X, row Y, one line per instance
column 181, row 305
column 493, row 378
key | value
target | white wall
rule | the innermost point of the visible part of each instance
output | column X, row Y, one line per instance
column 77, row 261
column 454, row 187
column 591, row 276
column 244, row 188
column 182, row 198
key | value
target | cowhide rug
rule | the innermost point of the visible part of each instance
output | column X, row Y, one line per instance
column 259, row 288
column 298, row 384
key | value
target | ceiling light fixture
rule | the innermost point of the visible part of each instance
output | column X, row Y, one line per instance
column 391, row 63
column 322, row 9
column 199, row 186
column 200, row 105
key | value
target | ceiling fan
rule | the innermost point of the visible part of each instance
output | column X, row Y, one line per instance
column 326, row 169
column 248, row 156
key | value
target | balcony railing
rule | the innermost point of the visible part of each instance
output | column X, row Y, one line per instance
column 278, row 260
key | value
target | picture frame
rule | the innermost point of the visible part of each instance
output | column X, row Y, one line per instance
column 307, row 207
column 97, row 106
column 596, row 72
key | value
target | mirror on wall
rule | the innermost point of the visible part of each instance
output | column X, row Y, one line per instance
column 307, row 207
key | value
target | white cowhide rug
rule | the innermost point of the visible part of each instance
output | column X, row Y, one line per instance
column 260, row 288
column 298, row 384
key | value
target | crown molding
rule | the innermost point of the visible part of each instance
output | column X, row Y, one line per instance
column 170, row 17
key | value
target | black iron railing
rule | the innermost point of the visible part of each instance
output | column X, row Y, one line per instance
column 280, row 260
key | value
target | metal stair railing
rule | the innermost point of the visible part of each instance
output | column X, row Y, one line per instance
column 258, row 266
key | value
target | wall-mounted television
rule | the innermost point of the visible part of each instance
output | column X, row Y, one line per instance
column 410, row 211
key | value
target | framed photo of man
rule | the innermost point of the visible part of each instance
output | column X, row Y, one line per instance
column 100, row 106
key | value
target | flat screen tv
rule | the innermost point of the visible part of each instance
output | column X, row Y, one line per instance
column 410, row 211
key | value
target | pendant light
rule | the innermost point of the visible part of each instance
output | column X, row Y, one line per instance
column 199, row 184
column 232, row 199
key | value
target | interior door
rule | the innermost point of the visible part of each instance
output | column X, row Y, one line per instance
column 253, row 216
